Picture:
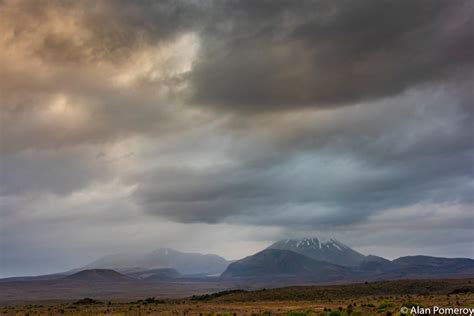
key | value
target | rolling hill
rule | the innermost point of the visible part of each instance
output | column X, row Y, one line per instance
column 163, row 274
column 98, row 275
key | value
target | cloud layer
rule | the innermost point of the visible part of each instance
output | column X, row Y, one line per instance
column 270, row 56
column 134, row 123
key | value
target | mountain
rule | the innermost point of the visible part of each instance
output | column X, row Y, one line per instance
column 162, row 274
column 45, row 277
column 276, row 263
column 375, row 264
column 187, row 263
column 415, row 267
column 170, row 274
column 184, row 263
column 329, row 250
column 432, row 266
column 435, row 262
column 98, row 275
column 291, row 261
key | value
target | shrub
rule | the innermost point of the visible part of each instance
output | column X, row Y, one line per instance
column 462, row 290
column 296, row 313
column 349, row 309
column 384, row 306
column 86, row 301
column 410, row 304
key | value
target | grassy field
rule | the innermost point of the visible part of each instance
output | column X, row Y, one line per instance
column 379, row 298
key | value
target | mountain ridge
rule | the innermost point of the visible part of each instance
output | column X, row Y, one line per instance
column 98, row 275
column 270, row 263
column 281, row 264
column 186, row 263
column 167, row 264
column 322, row 249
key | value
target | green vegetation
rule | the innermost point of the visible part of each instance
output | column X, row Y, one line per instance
column 295, row 313
column 335, row 292
column 346, row 300
column 385, row 306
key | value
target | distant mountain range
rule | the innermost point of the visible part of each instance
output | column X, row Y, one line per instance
column 314, row 260
column 184, row 263
column 308, row 260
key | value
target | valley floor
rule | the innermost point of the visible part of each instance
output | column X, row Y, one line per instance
column 378, row 298
column 362, row 306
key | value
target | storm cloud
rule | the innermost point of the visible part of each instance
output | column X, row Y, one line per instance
column 131, row 124
column 269, row 56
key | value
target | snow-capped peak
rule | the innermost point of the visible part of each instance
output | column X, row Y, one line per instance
column 315, row 242
column 321, row 248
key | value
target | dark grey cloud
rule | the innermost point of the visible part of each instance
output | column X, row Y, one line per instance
column 324, row 53
column 252, row 57
column 270, row 196
column 339, row 167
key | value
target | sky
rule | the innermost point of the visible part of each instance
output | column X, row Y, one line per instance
column 223, row 126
